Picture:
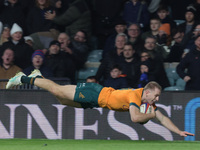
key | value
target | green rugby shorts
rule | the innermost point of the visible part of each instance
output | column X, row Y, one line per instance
column 87, row 94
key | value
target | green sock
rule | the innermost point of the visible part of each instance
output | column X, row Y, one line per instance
column 28, row 80
column 39, row 77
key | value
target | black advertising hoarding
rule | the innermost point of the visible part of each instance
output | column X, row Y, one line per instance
column 37, row 114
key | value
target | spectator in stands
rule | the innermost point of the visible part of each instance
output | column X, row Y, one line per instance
column 130, row 65
column 154, row 49
column 22, row 50
column 134, row 34
column 190, row 22
column 164, row 36
column 5, row 34
column 37, row 63
column 76, row 17
column 12, row 12
column 196, row 5
column 163, row 14
column 91, row 79
column 188, row 68
column 116, row 80
column 58, row 62
column 156, row 57
column 104, row 14
column 144, row 55
column 112, row 57
column 36, row 21
column 7, row 67
column 177, row 49
column 136, row 12
column 146, row 75
column 76, row 48
column 155, row 24
column 120, row 27
column 29, row 40
column 188, row 41
column 64, row 40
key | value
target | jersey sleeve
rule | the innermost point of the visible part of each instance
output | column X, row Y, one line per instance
column 135, row 100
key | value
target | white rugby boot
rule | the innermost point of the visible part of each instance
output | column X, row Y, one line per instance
column 35, row 73
column 16, row 80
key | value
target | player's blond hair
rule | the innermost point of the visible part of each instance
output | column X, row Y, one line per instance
column 152, row 86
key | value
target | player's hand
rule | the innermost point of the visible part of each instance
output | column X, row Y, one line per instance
column 153, row 113
column 184, row 133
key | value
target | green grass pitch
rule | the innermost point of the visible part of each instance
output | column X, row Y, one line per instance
column 44, row 144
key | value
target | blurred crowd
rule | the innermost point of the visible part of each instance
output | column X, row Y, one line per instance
column 137, row 37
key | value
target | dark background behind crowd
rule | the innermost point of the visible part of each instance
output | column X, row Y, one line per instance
column 137, row 37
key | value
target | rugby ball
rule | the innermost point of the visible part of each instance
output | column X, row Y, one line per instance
column 145, row 108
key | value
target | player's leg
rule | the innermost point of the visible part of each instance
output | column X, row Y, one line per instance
column 65, row 94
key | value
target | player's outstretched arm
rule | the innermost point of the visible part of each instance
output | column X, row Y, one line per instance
column 138, row 117
column 165, row 121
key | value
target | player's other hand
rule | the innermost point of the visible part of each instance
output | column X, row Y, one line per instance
column 184, row 133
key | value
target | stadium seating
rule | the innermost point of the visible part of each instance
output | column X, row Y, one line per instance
column 82, row 74
column 91, row 66
column 172, row 75
column 178, row 22
column 173, row 88
column 180, row 83
column 95, row 55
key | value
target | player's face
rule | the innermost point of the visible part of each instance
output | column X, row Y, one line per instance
column 152, row 96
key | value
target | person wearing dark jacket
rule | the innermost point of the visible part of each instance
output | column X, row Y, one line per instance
column 23, row 51
column 113, row 57
column 13, row 12
column 177, row 49
column 158, row 66
column 116, row 80
column 76, row 17
column 59, row 62
column 163, row 15
column 130, row 65
column 37, row 63
column 191, row 63
column 35, row 19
